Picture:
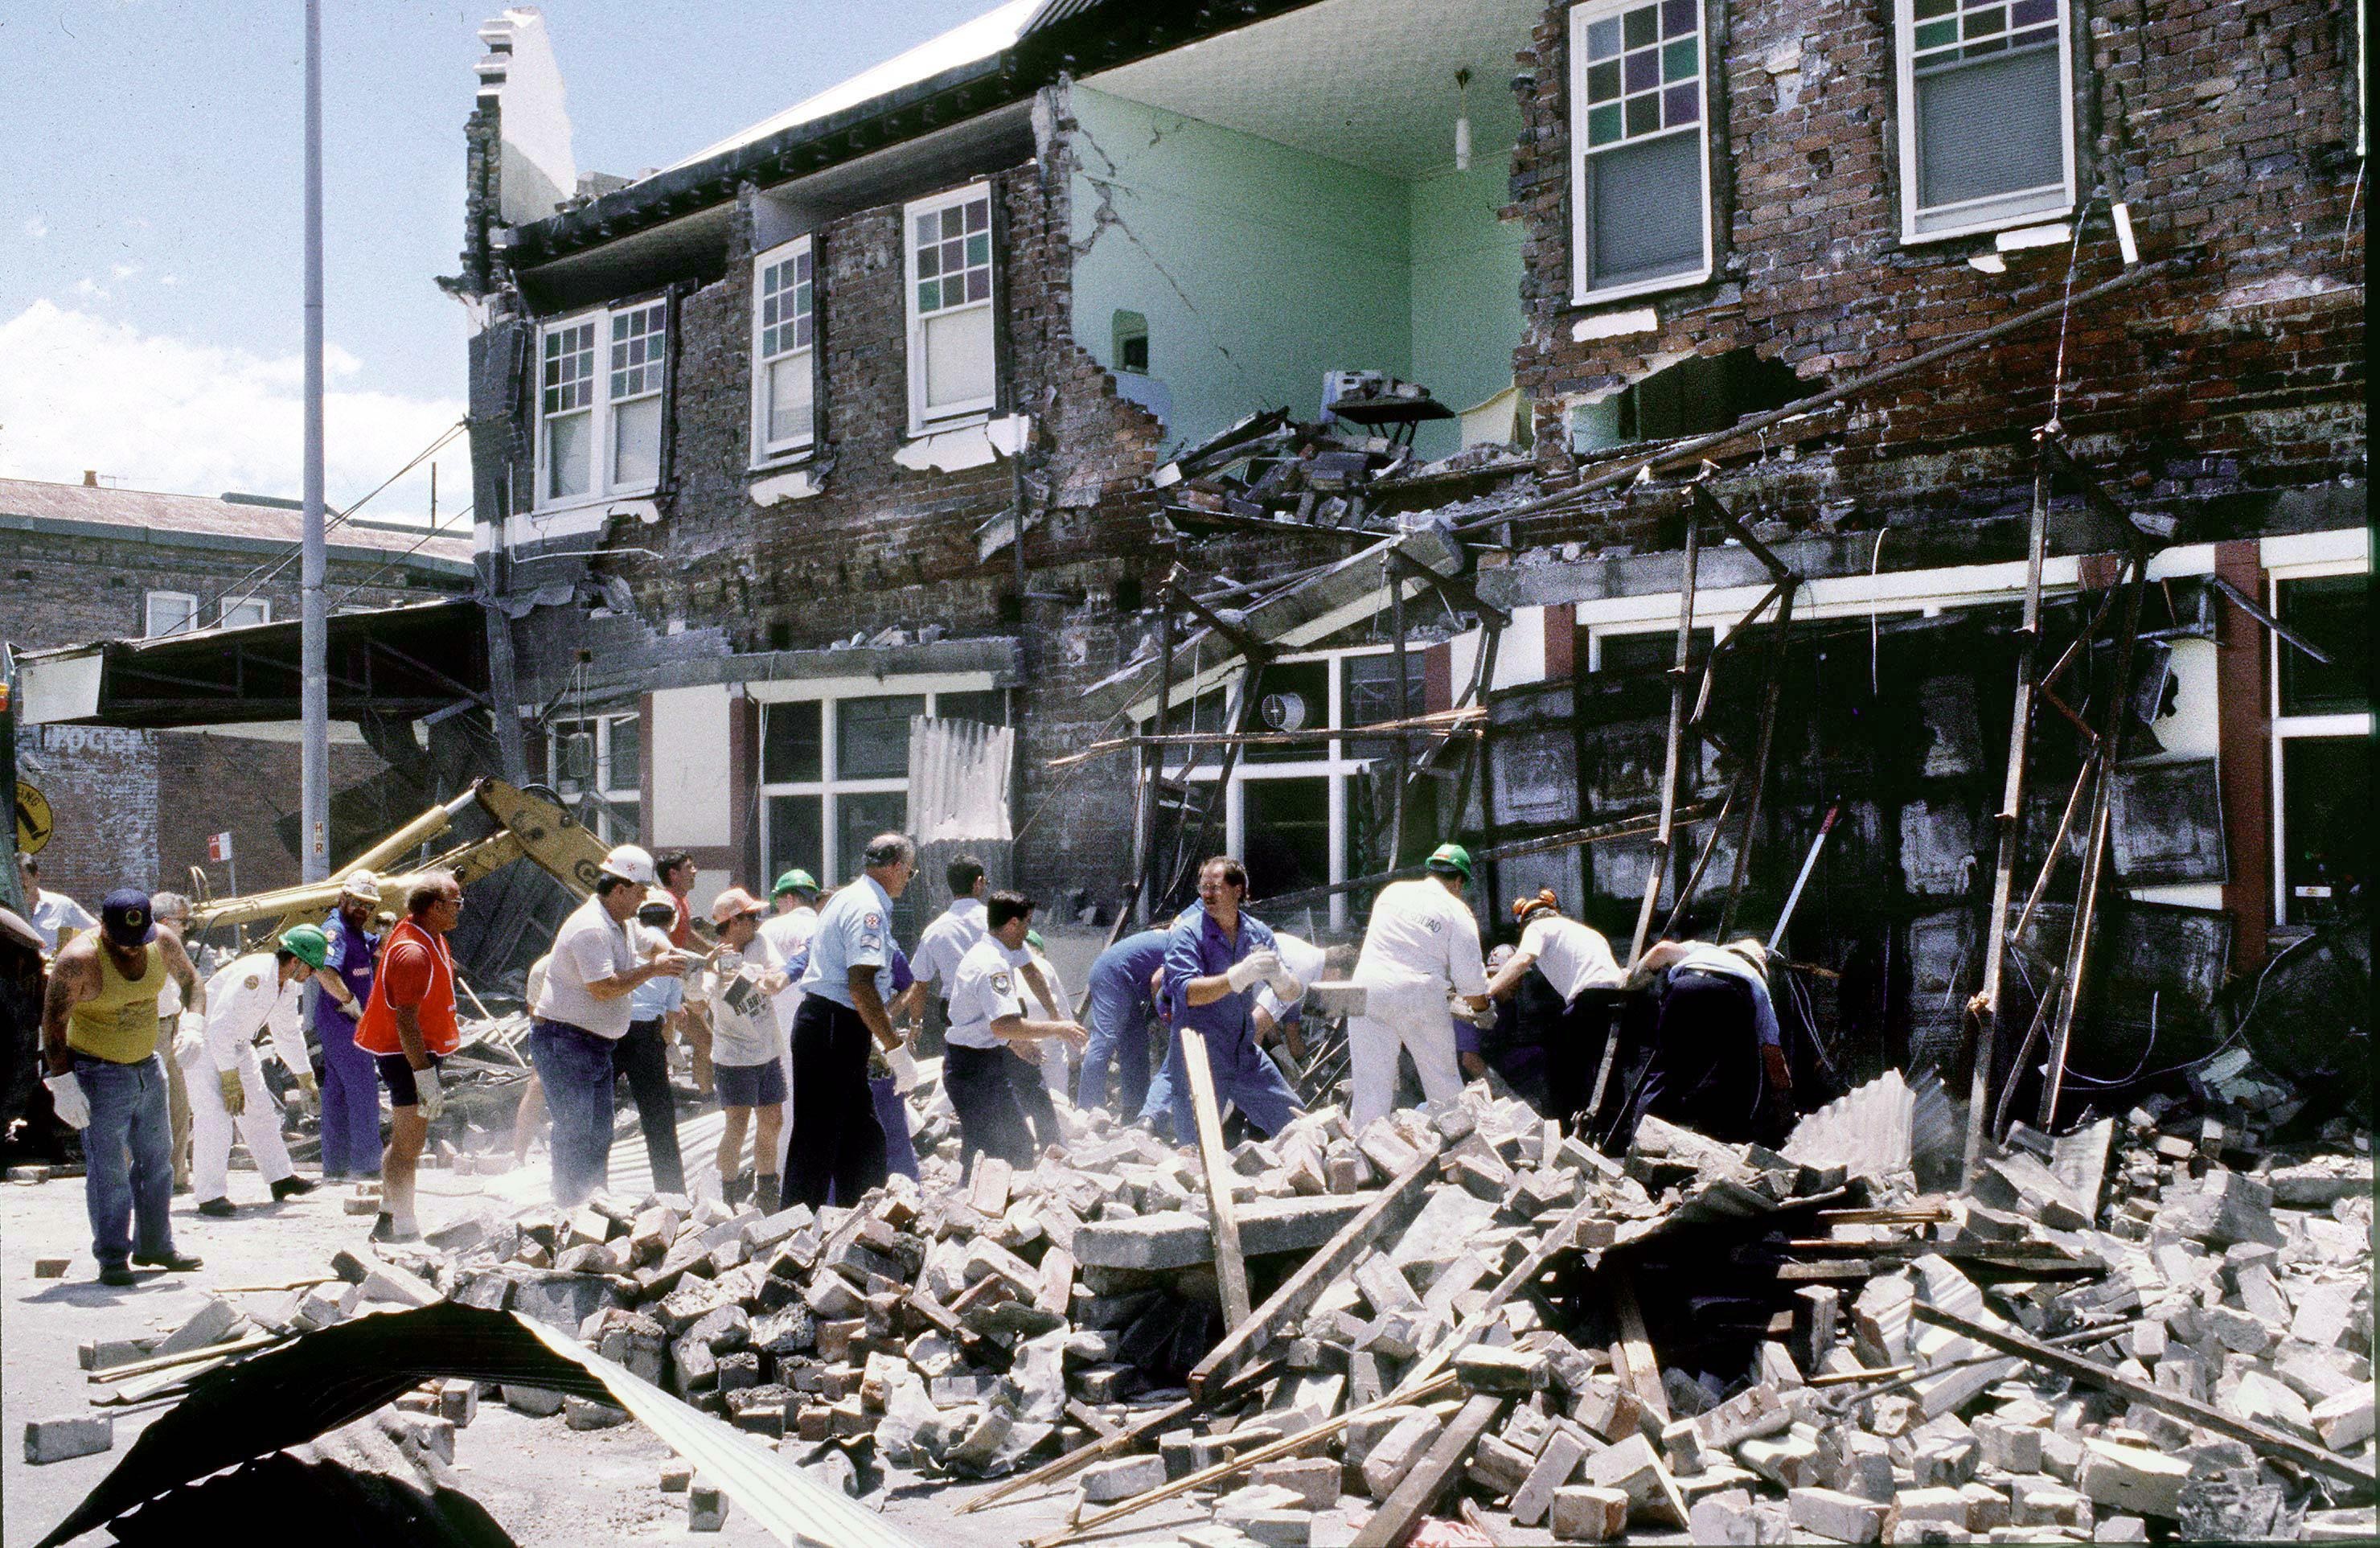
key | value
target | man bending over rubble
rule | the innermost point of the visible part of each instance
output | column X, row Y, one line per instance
column 99, row 1042
column 1716, row 1040
column 1215, row 961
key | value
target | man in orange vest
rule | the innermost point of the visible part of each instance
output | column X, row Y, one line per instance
column 407, row 1027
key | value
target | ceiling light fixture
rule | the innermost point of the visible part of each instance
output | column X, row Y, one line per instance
column 1463, row 120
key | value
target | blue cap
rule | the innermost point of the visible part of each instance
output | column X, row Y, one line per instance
column 125, row 915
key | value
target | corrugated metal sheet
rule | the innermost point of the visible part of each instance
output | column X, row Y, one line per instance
column 958, row 780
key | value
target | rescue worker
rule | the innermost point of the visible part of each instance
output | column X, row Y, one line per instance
column 656, row 1011
column 1575, row 960
column 835, row 1142
column 350, row 1081
column 1718, row 1063
column 952, row 931
column 1216, row 958
column 172, row 914
column 248, row 995
column 1042, row 1079
column 991, row 1036
column 99, row 1046
column 795, row 898
column 746, row 1061
column 1422, row 940
column 1274, row 1017
column 583, row 1013
column 407, row 1027
column 54, row 917
column 1124, row 999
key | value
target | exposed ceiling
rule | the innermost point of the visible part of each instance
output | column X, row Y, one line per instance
column 1370, row 82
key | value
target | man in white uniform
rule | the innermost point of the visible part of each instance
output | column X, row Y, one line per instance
column 1422, row 940
column 991, row 1033
column 252, row 993
column 958, row 927
column 54, row 913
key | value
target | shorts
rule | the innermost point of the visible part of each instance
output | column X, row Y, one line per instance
column 749, row 1085
column 396, row 1073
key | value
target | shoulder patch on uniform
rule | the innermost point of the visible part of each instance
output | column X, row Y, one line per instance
column 872, row 920
column 1000, row 984
column 253, row 979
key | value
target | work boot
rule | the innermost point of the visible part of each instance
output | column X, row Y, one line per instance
column 220, row 1208
column 291, row 1187
column 384, row 1230
column 118, row 1274
column 174, row 1263
column 735, row 1190
column 764, row 1193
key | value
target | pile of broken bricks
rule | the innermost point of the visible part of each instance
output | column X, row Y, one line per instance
column 1467, row 1327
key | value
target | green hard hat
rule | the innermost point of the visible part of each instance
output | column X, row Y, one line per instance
column 1033, row 938
column 307, row 943
column 1451, row 856
column 793, row 881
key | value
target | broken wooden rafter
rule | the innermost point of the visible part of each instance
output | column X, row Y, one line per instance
column 1155, row 1422
column 1428, row 1478
column 1215, row 1161
column 1239, row 639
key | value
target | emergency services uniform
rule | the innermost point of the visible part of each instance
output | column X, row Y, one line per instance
column 244, row 998
column 1421, row 942
column 976, row 1062
column 835, row 1143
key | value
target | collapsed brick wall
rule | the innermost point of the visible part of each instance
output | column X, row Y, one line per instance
column 2229, row 129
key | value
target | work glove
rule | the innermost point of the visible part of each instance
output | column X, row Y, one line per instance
column 433, row 1099
column 67, row 1096
column 1286, row 987
column 310, row 1092
column 904, row 1066
column 234, row 1095
column 1251, row 970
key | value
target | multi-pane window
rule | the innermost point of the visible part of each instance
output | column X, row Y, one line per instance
column 950, row 354
column 169, row 613
column 639, row 340
column 601, row 381
column 783, row 389
column 1986, row 125
column 598, row 764
column 567, row 402
column 1639, row 114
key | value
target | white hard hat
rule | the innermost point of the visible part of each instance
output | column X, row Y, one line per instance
column 629, row 862
column 362, row 885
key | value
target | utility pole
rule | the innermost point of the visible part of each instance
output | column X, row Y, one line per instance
column 314, row 690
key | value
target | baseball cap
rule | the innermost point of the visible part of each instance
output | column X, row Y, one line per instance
column 360, row 884
column 734, row 903
column 1453, row 858
column 630, row 862
column 794, row 881
column 125, row 915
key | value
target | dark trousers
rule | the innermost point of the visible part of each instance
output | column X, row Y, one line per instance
column 1574, row 1052
column 834, row 1144
column 1705, row 1074
column 990, row 1099
column 1033, row 1096
column 642, row 1058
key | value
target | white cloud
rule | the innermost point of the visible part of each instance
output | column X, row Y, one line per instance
column 164, row 413
column 36, row 227
column 124, row 271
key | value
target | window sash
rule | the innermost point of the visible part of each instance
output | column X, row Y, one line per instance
column 1640, row 83
column 785, row 306
column 949, row 266
column 179, row 610
column 602, row 396
column 1968, row 70
column 239, row 612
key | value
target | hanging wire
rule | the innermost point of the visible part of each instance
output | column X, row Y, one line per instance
column 2065, row 315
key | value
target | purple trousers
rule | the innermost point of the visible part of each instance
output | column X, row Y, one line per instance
column 350, row 1100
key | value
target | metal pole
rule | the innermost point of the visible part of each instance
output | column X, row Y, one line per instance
column 314, row 765
column 1661, row 838
column 1759, row 763
column 1404, row 712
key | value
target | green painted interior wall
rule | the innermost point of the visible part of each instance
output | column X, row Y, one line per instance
column 1465, row 290
column 1259, row 267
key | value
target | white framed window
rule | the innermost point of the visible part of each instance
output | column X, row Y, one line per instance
column 169, row 613
column 1640, row 148
column 951, row 359
column 784, row 350
column 239, row 612
column 601, row 380
column 2322, row 729
column 1986, row 114
column 597, row 762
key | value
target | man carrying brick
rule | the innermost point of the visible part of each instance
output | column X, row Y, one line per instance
column 99, row 1044
column 989, row 1034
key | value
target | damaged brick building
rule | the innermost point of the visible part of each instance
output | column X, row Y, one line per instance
column 755, row 436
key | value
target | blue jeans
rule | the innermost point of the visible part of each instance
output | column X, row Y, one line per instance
column 127, row 1153
column 1120, row 1012
column 1242, row 1077
column 575, row 1068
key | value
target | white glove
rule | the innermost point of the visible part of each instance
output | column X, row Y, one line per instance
column 67, row 1096
column 1251, row 969
column 904, row 1068
column 432, row 1100
column 1286, row 988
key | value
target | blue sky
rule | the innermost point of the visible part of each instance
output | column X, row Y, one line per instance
column 150, row 278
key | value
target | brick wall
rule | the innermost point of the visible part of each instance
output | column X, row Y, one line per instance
column 2229, row 129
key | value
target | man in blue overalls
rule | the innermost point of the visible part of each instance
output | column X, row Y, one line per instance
column 350, row 1081
column 1215, row 960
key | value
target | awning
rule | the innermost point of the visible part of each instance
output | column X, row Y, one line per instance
column 393, row 661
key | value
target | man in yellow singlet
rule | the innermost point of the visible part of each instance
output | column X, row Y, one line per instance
column 99, row 1044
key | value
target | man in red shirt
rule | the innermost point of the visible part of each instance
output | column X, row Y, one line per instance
column 676, row 870
column 407, row 1027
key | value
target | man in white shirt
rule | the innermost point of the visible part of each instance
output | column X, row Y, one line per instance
column 252, row 993
column 582, row 1010
column 1576, row 962
column 957, row 928
column 991, row 1033
column 788, row 932
column 54, row 915
column 1421, row 942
